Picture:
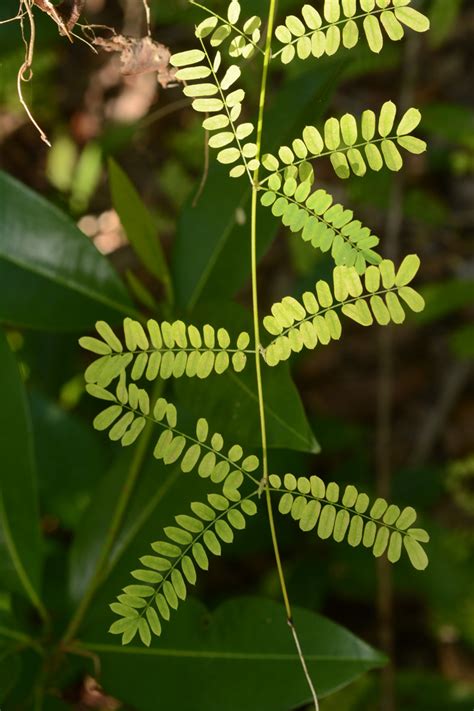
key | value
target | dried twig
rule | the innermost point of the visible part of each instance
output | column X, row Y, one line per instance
column 15, row 18
column 65, row 15
column 25, row 72
column 146, row 7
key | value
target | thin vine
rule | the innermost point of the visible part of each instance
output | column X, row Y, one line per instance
column 258, row 349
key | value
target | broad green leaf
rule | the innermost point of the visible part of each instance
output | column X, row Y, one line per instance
column 156, row 496
column 95, row 523
column 138, row 223
column 20, row 546
column 287, row 425
column 43, row 252
column 10, row 666
column 63, row 443
column 224, row 661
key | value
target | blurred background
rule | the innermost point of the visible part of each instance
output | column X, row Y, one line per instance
column 393, row 411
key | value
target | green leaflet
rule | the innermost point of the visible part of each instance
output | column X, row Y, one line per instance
column 241, row 38
column 142, row 608
column 165, row 350
column 352, row 145
column 326, row 226
column 343, row 26
column 322, row 507
column 217, row 97
column 209, row 262
column 125, row 420
column 297, row 325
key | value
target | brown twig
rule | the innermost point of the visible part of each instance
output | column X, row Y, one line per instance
column 146, row 8
column 25, row 72
column 16, row 17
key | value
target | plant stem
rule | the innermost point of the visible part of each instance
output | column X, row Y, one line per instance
column 258, row 348
column 117, row 520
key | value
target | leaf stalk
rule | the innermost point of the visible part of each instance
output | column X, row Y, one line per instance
column 258, row 346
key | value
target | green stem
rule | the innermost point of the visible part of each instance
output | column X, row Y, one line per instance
column 114, row 528
column 259, row 350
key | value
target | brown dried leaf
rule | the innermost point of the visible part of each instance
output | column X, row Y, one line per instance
column 140, row 56
column 93, row 697
column 65, row 15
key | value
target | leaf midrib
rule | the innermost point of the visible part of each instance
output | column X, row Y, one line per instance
column 70, row 284
column 273, row 414
column 209, row 654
